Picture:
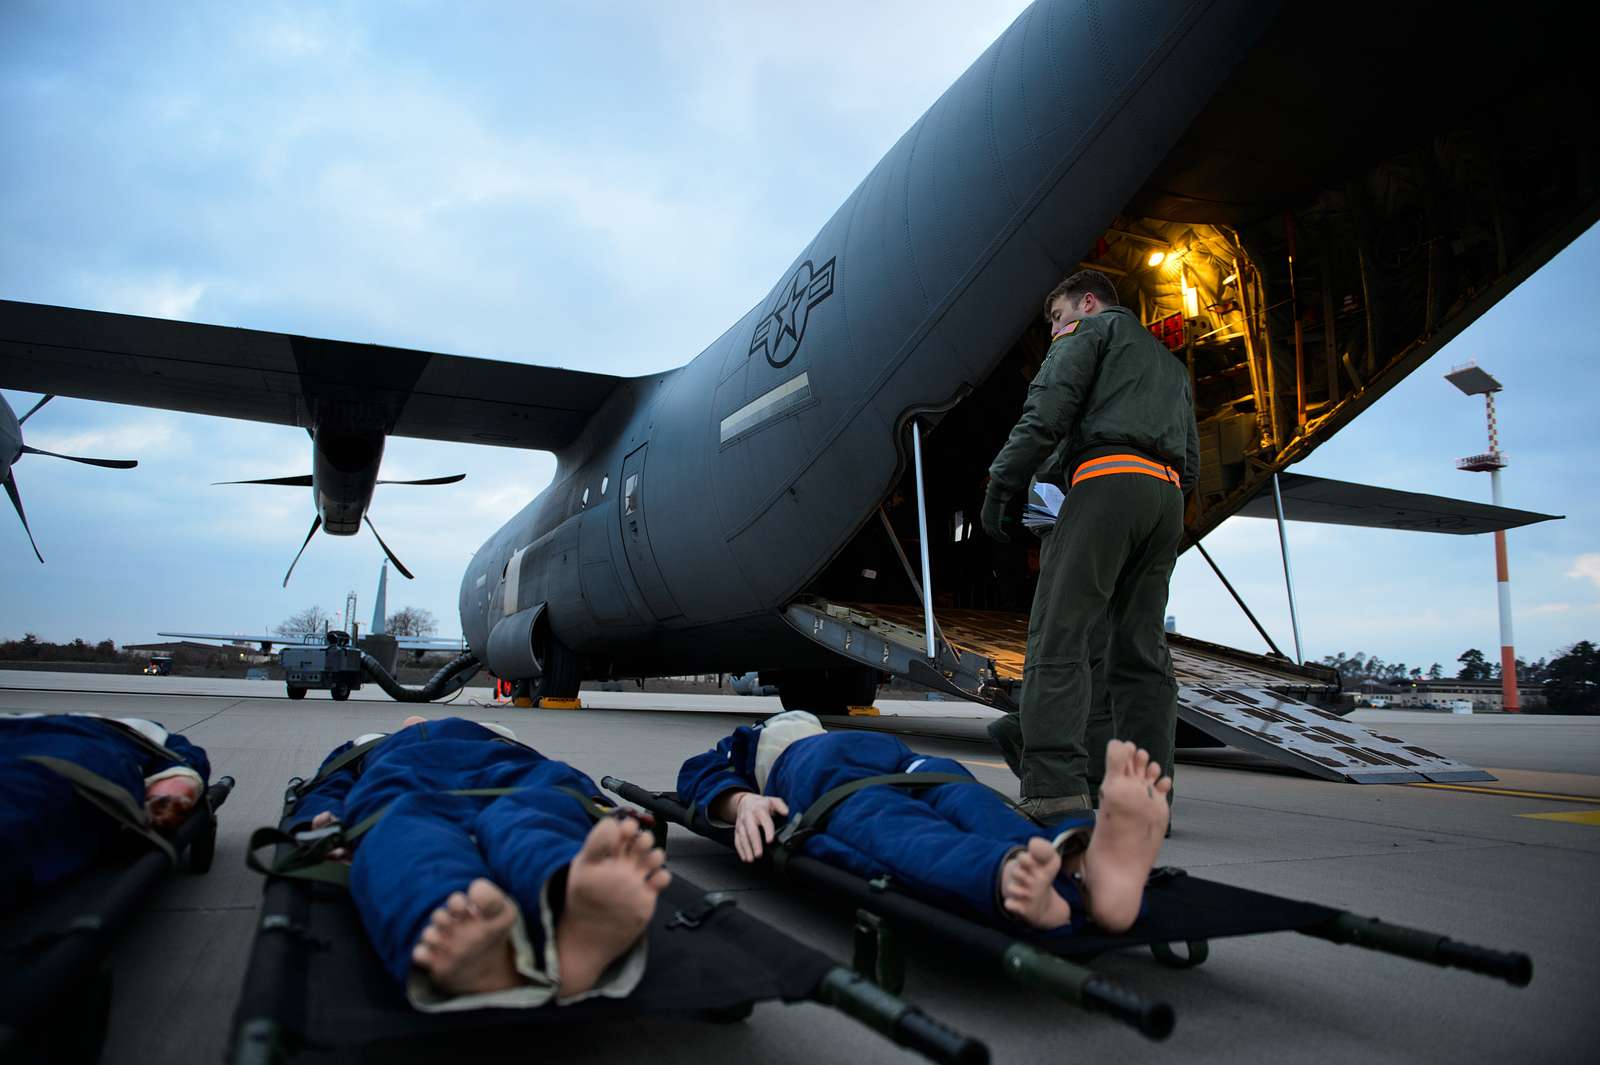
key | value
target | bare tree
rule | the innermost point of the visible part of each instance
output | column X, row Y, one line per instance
column 412, row 621
column 313, row 620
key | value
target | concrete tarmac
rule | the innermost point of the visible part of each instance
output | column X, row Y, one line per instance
column 1513, row 864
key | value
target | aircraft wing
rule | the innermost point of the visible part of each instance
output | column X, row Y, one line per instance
column 234, row 637
column 293, row 380
column 1330, row 502
column 406, row 643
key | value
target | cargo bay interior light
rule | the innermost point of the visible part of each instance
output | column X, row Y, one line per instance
column 1156, row 258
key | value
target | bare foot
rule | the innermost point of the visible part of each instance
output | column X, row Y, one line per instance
column 1027, row 885
column 414, row 719
column 611, row 892
column 1127, row 835
column 466, row 947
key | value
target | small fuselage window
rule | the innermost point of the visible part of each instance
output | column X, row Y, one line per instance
column 605, row 482
column 585, row 500
column 630, row 494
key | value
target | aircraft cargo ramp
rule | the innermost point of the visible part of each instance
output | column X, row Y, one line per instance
column 1250, row 702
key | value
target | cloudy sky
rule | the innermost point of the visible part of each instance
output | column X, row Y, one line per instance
column 599, row 186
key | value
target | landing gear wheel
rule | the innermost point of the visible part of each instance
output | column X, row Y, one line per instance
column 295, row 691
column 827, row 691
column 561, row 678
column 340, row 692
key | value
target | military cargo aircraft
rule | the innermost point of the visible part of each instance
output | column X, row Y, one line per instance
column 1304, row 202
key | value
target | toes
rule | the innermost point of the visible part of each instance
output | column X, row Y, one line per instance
column 654, row 858
column 1039, row 850
column 1163, row 785
column 458, row 906
column 488, row 898
column 432, row 937
column 421, row 955
column 658, row 879
column 603, row 838
column 1141, row 760
column 443, row 918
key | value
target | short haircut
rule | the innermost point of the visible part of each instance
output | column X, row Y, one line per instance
column 1074, row 287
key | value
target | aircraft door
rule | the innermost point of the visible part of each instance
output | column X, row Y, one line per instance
column 636, row 538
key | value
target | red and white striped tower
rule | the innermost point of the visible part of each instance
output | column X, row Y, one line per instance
column 1475, row 381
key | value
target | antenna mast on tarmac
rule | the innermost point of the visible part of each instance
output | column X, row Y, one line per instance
column 1475, row 381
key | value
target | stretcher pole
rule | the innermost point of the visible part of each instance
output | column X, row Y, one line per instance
column 1514, row 967
column 890, row 1016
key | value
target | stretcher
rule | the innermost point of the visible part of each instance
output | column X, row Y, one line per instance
column 316, row 989
column 55, row 986
column 1182, row 915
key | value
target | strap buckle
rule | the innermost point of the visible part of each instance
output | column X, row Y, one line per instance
column 702, row 911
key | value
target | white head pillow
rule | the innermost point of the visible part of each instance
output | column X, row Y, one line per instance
column 777, row 733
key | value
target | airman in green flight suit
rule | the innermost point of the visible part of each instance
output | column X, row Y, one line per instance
column 1110, row 420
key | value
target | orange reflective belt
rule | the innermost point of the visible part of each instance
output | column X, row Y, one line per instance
column 1106, row 465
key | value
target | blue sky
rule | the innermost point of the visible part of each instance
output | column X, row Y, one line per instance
column 601, row 186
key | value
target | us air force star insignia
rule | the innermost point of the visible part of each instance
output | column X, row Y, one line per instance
column 780, row 330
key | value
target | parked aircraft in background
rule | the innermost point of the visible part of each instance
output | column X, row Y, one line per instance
column 416, row 645
column 12, row 448
column 1303, row 206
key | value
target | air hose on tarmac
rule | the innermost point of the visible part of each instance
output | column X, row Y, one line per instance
column 451, row 678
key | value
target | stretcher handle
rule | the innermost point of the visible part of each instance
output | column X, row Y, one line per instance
column 850, row 992
column 1032, row 967
column 1514, row 967
column 1154, row 1020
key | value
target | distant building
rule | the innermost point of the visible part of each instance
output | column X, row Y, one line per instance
column 1484, row 695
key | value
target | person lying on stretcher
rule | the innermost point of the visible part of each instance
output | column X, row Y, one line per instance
column 48, row 829
column 474, row 900
column 960, row 846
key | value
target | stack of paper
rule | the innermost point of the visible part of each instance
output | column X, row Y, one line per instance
column 1044, row 506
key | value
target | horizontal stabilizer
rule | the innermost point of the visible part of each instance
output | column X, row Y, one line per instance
column 1330, row 502
column 293, row 380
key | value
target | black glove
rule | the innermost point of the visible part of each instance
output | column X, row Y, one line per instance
column 994, row 516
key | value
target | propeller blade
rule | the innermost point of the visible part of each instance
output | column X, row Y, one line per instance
column 401, row 566
column 34, row 408
column 110, row 464
column 316, row 523
column 301, row 481
column 452, row 479
column 16, row 501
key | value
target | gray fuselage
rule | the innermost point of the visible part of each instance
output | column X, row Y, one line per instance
column 717, row 491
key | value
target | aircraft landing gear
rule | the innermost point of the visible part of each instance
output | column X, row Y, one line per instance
column 825, row 691
column 560, row 679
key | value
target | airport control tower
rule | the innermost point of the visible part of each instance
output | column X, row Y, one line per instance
column 1475, row 381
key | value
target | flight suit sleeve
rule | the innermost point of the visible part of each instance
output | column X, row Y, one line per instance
column 1055, row 400
column 1190, row 476
column 326, row 797
column 706, row 777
